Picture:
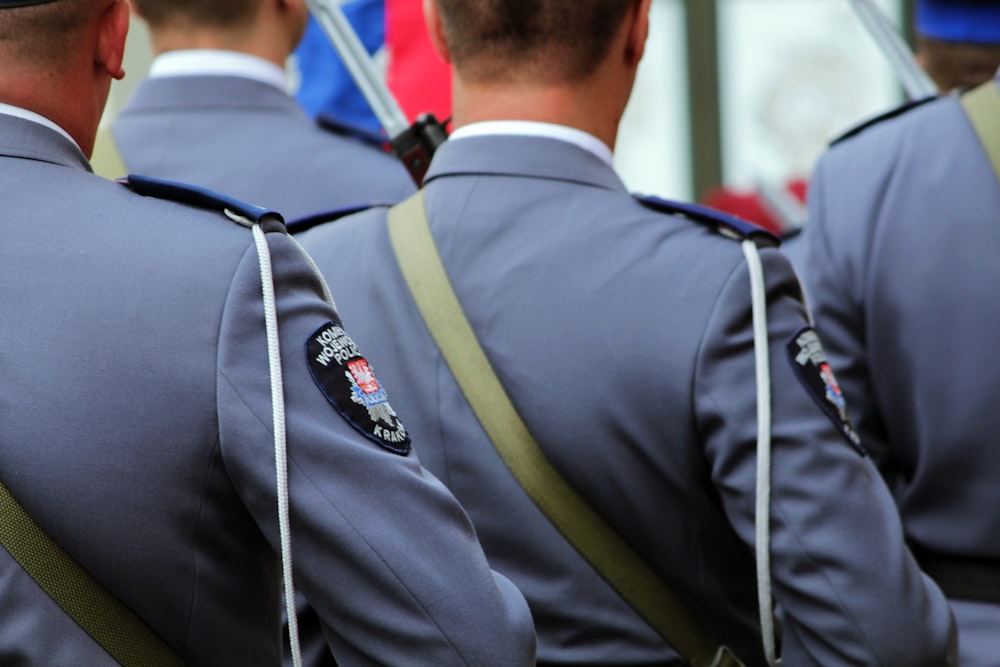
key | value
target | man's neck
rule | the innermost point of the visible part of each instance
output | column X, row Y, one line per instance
column 582, row 108
column 74, row 104
column 268, row 47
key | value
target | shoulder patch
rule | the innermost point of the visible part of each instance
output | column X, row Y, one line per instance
column 808, row 359
column 348, row 382
column 300, row 225
column 201, row 198
column 889, row 115
column 726, row 224
column 333, row 124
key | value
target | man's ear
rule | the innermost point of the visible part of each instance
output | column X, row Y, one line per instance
column 111, row 38
column 296, row 12
column 638, row 31
column 435, row 27
column 292, row 5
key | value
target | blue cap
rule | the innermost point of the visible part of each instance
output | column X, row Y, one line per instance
column 975, row 21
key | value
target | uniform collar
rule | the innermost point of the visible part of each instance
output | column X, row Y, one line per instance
column 523, row 128
column 18, row 112
column 31, row 140
column 211, row 62
column 537, row 157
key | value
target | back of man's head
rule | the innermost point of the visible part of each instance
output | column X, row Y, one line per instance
column 40, row 34
column 549, row 41
column 204, row 13
column 58, row 58
column 959, row 41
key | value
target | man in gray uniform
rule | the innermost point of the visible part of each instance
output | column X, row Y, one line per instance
column 900, row 262
column 137, row 423
column 215, row 112
column 623, row 336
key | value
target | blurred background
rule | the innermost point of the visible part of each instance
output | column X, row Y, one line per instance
column 740, row 93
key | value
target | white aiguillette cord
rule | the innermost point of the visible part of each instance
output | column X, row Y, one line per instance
column 762, row 517
column 278, row 418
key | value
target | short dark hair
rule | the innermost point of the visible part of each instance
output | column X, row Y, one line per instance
column 550, row 40
column 956, row 65
column 212, row 13
column 44, row 34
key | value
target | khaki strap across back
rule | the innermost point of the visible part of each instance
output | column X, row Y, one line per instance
column 596, row 540
column 982, row 105
column 103, row 616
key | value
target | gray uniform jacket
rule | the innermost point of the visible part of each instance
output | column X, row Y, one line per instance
column 252, row 141
column 901, row 262
column 136, row 429
column 623, row 336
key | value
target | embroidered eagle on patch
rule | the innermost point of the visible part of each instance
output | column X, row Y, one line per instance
column 347, row 380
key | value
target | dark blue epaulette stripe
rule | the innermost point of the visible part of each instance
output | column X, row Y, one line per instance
column 711, row 216
column 898, row 111
column 196, row 196
column 337, row 126
column 300, row 225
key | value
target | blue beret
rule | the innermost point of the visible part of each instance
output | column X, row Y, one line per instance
column 976, row 21
column 10, row 4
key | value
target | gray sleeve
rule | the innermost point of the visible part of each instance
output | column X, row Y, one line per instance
column 385, row 554
column 833, row 273
column 849, row 590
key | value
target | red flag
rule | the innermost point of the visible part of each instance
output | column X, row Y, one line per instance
column 418, row 77
column 749, row 205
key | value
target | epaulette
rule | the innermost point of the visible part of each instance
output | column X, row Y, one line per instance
column 792, row 233
column 192, row 195
column 889, row 115
column 300, row 225
column 726, row 224
column 344, row 129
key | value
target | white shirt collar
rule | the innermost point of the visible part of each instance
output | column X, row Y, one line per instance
column 524, row 128
column 211, row 62
column 18, row 112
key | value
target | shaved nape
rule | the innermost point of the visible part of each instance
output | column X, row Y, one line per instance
column 549, row 40
column 44, row 34
column 209, row 13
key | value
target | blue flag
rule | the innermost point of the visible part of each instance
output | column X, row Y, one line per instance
column 326, row 86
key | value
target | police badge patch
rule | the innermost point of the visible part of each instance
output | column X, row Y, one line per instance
column 805, row 351
column 348, row 382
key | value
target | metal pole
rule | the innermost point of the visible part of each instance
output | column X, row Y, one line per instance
column 413, row 144
column 914, row 80
column 358, row 63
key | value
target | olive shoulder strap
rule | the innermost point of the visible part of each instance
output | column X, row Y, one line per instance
column 596, row 540
column 103, row 616
column 982, row 106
